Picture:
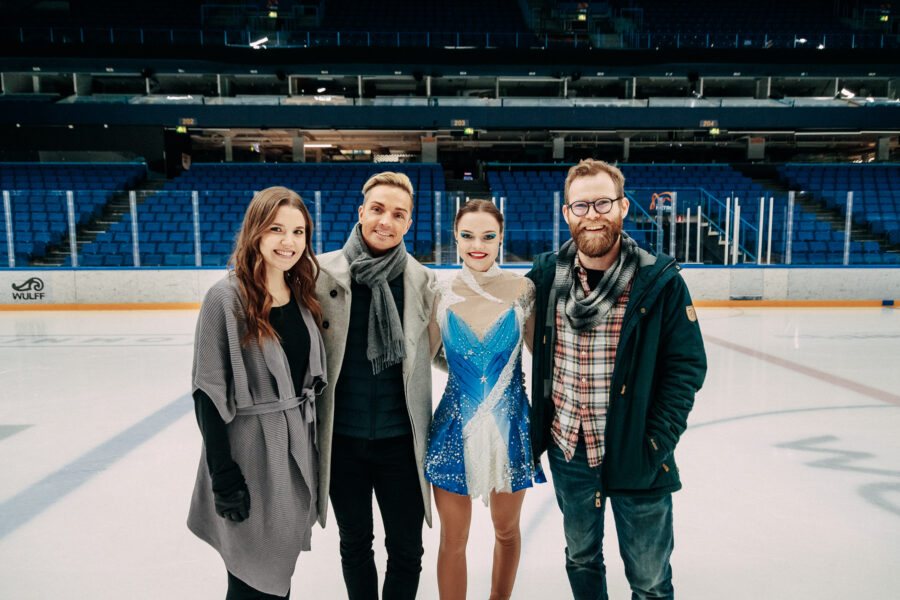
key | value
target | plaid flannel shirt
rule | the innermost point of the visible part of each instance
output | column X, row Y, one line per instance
column 582, row 373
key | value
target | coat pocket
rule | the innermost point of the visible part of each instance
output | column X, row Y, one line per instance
column 659, row 458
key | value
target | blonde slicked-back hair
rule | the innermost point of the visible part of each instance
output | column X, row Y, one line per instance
column 398, row 180
column 589, row 167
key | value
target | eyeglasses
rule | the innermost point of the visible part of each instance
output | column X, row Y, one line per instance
column 601, row 205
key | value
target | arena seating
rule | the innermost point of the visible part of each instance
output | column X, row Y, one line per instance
column 166, row 225
column 165, row 219
column 634, row 24
column 109, row 13
column 38, row 200
column 721, row 184
column 349, row 23
column 526, row 188
column 734, row 23
column 529, row 195
column 528, row 208
column 428, row 15
column 876, row 196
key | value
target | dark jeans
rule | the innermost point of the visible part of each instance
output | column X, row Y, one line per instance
column 643, row 526
column 238, row 590
column 387, row 467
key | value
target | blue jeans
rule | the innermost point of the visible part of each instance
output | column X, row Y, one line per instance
column 643, row 526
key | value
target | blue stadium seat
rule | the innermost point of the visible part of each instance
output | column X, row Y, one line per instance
column 91, row 260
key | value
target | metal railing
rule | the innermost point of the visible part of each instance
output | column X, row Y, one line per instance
column 309, row 38
column 185, row 228
column 313, row 38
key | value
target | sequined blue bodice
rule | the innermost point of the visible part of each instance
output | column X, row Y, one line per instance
column 476, row 365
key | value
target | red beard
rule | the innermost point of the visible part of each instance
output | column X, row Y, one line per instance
column 595, row 245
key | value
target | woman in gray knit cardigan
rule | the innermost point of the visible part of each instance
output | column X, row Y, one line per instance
column 259, row 364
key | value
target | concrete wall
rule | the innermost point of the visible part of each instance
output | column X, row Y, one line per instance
column 177, row 286
column 105, row 286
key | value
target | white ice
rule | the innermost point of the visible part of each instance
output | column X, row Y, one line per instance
column 790, row 466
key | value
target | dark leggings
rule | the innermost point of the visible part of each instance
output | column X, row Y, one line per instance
column 238, row 590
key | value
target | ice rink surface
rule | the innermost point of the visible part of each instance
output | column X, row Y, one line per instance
column 790, row 465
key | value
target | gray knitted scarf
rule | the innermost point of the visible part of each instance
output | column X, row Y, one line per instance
column 585, row 311
column 385, row 342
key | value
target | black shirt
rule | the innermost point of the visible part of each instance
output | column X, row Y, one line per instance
column 288, row 323
column 369, row 405
column 593, row 277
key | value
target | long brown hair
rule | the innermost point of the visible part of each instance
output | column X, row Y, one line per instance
column 250, row 268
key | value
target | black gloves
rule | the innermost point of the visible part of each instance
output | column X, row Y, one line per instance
column 232, row 499
column 234, row 506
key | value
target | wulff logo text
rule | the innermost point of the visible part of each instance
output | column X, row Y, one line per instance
column 29, row 290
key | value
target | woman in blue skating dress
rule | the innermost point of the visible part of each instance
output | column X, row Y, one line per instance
column 479, row 444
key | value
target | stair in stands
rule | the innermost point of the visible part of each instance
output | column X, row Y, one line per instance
column 119, row 205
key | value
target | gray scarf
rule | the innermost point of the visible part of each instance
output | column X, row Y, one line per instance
column 385, row 343
column 585, row 311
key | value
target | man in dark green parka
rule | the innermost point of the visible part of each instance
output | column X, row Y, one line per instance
column 617, row 360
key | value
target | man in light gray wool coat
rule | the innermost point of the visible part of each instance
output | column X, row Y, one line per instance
column 377, row 304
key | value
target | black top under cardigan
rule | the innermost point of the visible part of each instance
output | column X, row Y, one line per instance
column 225, row 473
